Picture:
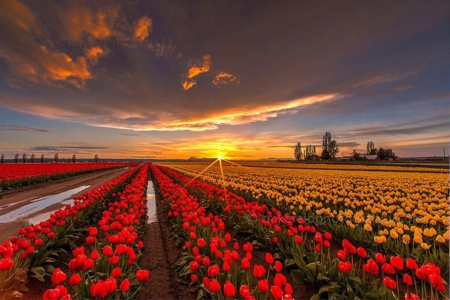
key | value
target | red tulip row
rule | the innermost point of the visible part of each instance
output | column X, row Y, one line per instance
column 216, row 265
column 14, row 172
column 289, row 234
column 107, row 268
column 35, row 249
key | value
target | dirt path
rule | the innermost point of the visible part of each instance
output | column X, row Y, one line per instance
column 14, row 206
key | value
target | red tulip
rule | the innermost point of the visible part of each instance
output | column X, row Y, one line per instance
column 112, row 284
column 142, row 275
column 342, row 255
column 269, row 258
column 125, row 285
column 228, row 289
column 388, row 269
column 380, row 258
column 397, row 262
column 263, row 286
column 92, row 231
column 371, row 267
column 275, row 240
column 114, row 259
column 288, row 288
column 75, row 279
column 411, row 296
column 245, row 263
column 389, row 283
column 94, row 254
column 213, row 271
column 411, row 264
column 278, row 266
column 279, row 280
column 407, row 279
column 116, row 272
column 58, row 276
column 214, row 286
column 194, row 277
column 206, row 261
column 107, row 250
column 361, row 252
column 193, row 266
column 258, row 271
column 345, row 267
column 276, row 291
column 52, row 294
column 328, row 236
column 100, row 289
column 244, row 291
column 298, row 239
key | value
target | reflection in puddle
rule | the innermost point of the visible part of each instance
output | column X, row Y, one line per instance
column 39, row 204
column 5, row 206
column 151, row 203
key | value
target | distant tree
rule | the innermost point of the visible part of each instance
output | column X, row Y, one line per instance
column 32, row 158
column 2, row 159
column 16, row 158
column 56, row 159
column 96, row 157
column 333, row 149
column 24, row 158
column 42, row 158
column 298, row 151
column 356, row 155
column 74, row 158
column 325, row 154
column 386, row 154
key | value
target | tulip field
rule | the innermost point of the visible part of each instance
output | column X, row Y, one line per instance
column 245, row 232
column 12, row 175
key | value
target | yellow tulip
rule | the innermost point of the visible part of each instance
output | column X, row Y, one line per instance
column 440, row 239
column 394, row 234
column 367, row 227
column 446, row 235
column 425, row 246
column 418, row 239
column 427, row 232
column 406, row 239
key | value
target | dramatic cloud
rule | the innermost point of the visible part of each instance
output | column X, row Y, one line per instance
column 79, row 20
column 143, row 28
column 23, row 128
column 94, row 53
column 224, row 78
column 195, row 70
column 61, row 148
column 18, row 13
column 166, row 49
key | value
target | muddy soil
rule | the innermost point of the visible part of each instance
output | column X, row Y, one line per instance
column 13, row 200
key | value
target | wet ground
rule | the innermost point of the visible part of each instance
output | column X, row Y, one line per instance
column 22, row 207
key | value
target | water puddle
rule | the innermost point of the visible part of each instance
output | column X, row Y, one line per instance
column 39, row 204
column 5, row 206
column 151, row 203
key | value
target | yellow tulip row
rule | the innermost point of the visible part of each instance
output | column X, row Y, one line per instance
column 388, row 199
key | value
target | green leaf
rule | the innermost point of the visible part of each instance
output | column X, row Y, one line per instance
column 39, row 273
column 321, row 277
column 312, row 267
column 21, row 275
column 289, row 262
column 298, row 276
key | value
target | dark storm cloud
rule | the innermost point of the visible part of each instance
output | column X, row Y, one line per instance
column 157, row 66
column 23, row 128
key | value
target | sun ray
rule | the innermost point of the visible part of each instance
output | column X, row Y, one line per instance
column 233, row 163
column 199, row 174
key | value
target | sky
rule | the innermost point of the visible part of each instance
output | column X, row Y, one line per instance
column 244, row 79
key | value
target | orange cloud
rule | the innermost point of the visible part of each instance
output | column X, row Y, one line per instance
column 162, row 49
column 80, row 20
column 51, row 66
column 196, row 70
column 187, row 84
column 94, row 53
column 224, row 78
column 142, row 29
column 203, row 68
column 18, row 13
